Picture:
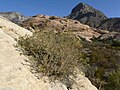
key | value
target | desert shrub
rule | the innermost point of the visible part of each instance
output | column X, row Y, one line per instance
column 53, row 18
column 116, row 43
column 113, row 81
column 55, row 55
column 104, row 59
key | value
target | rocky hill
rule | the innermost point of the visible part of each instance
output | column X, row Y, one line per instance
column 87, row 15
column 15, row 71
column 111, row 24
column 82, row 12
column 43, row 22
column 15, row 17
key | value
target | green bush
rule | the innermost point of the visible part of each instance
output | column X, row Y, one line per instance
column 113, row 81
column 116, row 43
column 104, row 59
column 55, row 55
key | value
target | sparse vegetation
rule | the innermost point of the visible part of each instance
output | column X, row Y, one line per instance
column 56, row 55
column 113, row 81
column 104, row 61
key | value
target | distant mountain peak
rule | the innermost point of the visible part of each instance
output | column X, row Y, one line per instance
column 86, row 14
column 13, row 16
column 81, row 6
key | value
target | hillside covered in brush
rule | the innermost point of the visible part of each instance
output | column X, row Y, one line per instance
column 80, row 51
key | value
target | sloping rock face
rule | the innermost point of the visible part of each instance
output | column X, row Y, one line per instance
column 42, row 22
column 13, row 75
column 87, row 15
column 15, row 72
column 111, row 24
column 15, row 17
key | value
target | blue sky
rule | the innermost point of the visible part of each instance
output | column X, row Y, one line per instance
column 58, row 7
